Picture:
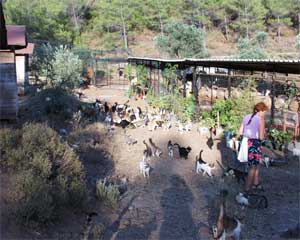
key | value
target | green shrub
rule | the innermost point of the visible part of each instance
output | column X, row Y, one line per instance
column 49, row 174
column 66, row 68
column 279, row 137
column 181, row 40
column 107, row 192
column 232, row 110
column 52, row 102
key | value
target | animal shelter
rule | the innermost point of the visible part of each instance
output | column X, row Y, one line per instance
column 212, row 79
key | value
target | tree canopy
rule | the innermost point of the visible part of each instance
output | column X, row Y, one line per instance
column 182, row 40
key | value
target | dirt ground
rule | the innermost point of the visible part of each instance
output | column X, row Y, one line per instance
column 175, row 202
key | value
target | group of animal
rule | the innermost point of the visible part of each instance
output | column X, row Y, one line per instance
column 152, row 150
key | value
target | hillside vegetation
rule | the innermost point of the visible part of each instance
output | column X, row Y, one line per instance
column 135, row 24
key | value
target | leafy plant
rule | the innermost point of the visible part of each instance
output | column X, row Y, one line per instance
column 232, row 110
column 250, row 50
column 128, row 72
column 170, row 74
column 66, row 69
column 261, row 39
column 107, row 192
column 279, row 137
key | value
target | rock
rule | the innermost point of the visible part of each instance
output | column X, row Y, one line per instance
column 294, row 105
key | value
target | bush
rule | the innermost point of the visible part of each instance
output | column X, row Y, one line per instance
column 182, row 40
column 279, row 137
column 184, row 108
column 66, row 69
column 49, row 174
column 250, row 50
column 52, row 102
column 261, row 39
column 232, row 110
column 107, row 192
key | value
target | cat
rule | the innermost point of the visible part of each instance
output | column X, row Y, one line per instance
column 156, row 151
column 167, row 126
column 124, row 124
column 170, row 149
column 129, row 140
column 145, row 168
column 148, row 150
column 202, row 166
column 183, row 152
column 226, row 226
column 242, row 200
column 252, row 200
column 239, row 175
column 210, row 141
column 108, row 119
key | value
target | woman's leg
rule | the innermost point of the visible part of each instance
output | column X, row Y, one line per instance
column 256, row 175
column 250, row 178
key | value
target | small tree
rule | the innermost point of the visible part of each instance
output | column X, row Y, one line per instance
column 261, row 38
column 170, row 76
column 66, row 68
column 250, row 50
column 182, row 40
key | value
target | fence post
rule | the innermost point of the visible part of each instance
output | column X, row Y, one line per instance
column 229, row 82
column 194, row 85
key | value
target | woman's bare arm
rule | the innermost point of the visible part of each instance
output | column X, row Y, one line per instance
column 262, row 128
column 241, row 129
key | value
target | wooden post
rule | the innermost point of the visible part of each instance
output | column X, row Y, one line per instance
column 272, row 98
column 211, row 88
column 184, row 83
column 229, row 83
column 194, row 85
column 284, row 121
column 158, row 79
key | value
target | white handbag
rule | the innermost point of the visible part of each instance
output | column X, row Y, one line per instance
column 243, row 153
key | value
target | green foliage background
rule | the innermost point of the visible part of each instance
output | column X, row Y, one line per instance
column 77, row 22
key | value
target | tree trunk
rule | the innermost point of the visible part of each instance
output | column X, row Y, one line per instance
column 124, row 28
column 226, row 27
column 298, row 23
column 75, row 18
column 279, row 31
column 160, row 20
column 246, row 19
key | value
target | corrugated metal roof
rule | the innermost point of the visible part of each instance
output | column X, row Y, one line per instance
column 16, row 36
column 265, row 65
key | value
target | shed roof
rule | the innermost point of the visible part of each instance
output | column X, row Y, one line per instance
column 266, row 65
column 28, row 50
column 16, row 36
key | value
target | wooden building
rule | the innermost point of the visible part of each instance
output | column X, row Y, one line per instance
column 22, row 67
column 14, row 38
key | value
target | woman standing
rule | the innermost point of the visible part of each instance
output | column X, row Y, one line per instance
column 253, row 128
